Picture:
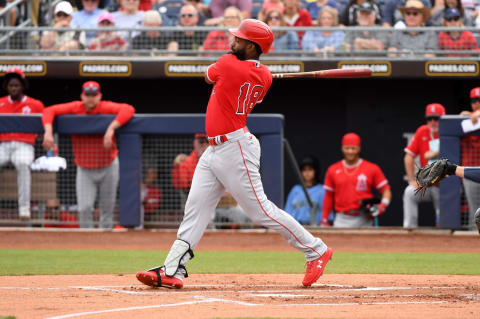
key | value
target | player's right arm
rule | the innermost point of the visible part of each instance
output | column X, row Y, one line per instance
column 409, row 162
column 48, row 116
column 328, row 199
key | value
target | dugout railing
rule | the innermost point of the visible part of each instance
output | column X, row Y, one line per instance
column 146, row 141
column 30, row 43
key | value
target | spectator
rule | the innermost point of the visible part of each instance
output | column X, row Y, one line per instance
column 17, row 148
column 296, row 17
column 349, row 15
column 366, row 40
column 87, row 18
column 324, row 41
column 470, row 155
column 284, row 40
column 152, row 39
column 217, row 7
column 472, row 8
column 441, row 6
column 350, row 181
column 314, row 8
column 184, row 166
column 269, row 5
column 129, row 17
column 391, row 13
column 413, row 42
column 54, row 211
column 108, row 40
column 297, row 204
column 94, row 155
column 220, row 40
column 187, row 40
column 62, row 40
column 169, row 11
column 456, row 40
column 202, row 10
column 426, row 144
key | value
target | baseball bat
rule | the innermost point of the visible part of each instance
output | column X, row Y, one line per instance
column 332, row 73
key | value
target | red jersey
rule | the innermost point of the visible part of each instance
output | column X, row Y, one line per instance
column 151, row 198
column 351, row 184
column 26, row 106
column 470, row 146
column 88, row 150
column 466, row 41
column 238, row 87
column 182, row 174
column 419, row 144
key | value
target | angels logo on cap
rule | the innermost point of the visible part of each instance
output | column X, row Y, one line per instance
column 475, row 93
column 434, row 110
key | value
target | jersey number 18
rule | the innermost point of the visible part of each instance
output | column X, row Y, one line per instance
column 248, row 97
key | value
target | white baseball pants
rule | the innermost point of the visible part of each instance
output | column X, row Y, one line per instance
column 234, row 166
column 21, row 156
column 411, row 201
column 472, row 193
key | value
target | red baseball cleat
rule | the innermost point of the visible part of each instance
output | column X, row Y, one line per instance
column 150, row 278
column 316, row 267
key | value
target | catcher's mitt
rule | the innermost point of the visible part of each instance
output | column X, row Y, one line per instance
column 431, row 174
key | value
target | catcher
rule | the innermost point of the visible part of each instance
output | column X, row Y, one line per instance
column 433, row 173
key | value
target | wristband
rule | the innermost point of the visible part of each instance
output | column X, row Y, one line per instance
column 385, row 201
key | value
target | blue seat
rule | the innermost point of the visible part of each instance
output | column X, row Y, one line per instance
column 170, row 11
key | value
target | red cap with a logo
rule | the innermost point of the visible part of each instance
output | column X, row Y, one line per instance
column 91, row 87
column 434, row 110
column 351, row 139
column 475, row 93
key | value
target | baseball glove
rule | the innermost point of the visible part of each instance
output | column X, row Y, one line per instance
column 431, row 174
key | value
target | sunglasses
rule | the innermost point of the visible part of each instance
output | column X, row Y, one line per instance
column 452, row 19
column 187, row 15
column 274, row 18
column 90, row 90
column 411, row 13
column 475, row 100
column 53, row 208
column 433, row 119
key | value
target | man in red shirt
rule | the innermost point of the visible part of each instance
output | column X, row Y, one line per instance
column 232, row 162
column 426, row 144
column 350, row 181
column 470, row 147
column 18, row 148
column 94, row 155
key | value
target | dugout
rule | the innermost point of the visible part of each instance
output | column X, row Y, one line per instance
column 317, row 112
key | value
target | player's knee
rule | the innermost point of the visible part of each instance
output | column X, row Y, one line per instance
column 477, row 216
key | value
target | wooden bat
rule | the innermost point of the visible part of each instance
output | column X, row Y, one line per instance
column 333, row 73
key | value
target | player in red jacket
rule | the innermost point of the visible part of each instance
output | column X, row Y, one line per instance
column 350, row 181
column 232, row 162
column 18, row 148
column 94, row 155
column 425, row 144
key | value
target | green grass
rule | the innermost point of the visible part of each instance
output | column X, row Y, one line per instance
column 59, row 262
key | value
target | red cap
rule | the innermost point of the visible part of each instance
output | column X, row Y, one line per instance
column 91, row 87
column 475, row 93
column 200, row 135
column 351, row 139
column 17, row 71
column 434, row 110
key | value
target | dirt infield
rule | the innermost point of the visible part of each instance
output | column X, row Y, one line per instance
column 226, row 296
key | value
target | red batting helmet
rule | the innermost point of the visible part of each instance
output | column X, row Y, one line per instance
column 255, row 31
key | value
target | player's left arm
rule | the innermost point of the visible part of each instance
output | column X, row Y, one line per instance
column 124, row 114
column 381, row 183
column 471, row 173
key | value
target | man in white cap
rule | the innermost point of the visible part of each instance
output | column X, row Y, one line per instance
column 62, row 41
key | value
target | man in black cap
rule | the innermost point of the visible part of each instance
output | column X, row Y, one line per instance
column 18, row 148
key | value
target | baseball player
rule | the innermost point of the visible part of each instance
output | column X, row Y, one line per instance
column 349, row 182
column 18, row 148
column 232, row 162
column 470, row 156
column 94, row 155
column 429, row 176
column 426, row 144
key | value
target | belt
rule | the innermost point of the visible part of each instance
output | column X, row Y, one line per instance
column 220, row 139
column 351, row 212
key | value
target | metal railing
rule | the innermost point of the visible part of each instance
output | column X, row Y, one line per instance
column 213, row 41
